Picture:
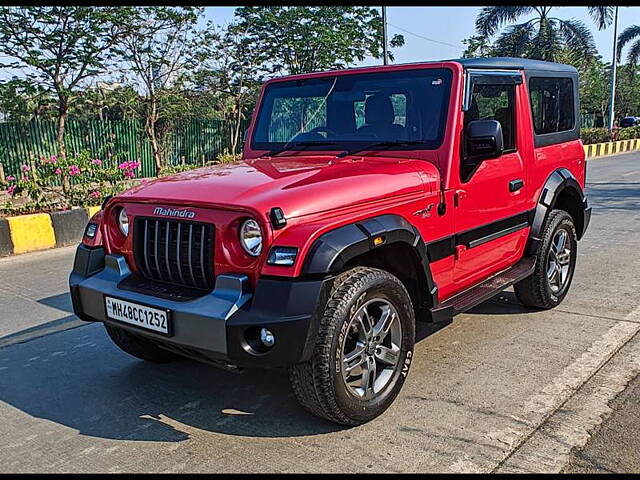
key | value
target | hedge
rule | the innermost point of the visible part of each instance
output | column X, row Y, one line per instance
column 601, row 135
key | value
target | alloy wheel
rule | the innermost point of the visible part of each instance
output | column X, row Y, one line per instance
column 559, row 260
column 371, row 350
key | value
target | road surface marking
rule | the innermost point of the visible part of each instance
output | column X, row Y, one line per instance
column 552, row 455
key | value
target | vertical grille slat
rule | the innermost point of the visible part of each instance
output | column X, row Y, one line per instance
column 167, row 240
column 178, row 247
column 146, row 256
column 155, row 249
column 204, row 274
column 190, row 245
column 188, row 263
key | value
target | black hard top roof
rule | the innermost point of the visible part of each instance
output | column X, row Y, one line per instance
column 515, row 64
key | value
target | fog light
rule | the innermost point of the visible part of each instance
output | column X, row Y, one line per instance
column 91, row 230
column 267, row 338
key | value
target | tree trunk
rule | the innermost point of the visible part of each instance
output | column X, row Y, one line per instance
column 151, row 132
column 63, row 111
column 236, row 129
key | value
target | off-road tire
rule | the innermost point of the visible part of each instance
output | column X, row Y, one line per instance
column 535, row 290
column 318, row 384
column 139, row 347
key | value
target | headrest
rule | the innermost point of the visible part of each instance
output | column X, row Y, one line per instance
column 378, row 110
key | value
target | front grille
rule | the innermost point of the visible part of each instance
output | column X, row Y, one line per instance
column 175, row 252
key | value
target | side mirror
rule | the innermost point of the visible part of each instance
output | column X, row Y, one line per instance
column 484, row 140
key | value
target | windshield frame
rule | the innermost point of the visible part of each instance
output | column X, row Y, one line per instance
column 351, row 144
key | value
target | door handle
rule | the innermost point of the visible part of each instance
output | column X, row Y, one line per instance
column 515, row 185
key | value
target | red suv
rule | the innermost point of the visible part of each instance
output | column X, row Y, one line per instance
column 367, row 199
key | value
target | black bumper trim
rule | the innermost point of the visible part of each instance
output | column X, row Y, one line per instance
column 214, row 324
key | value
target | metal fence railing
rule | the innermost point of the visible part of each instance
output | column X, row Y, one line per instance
column 192, row 142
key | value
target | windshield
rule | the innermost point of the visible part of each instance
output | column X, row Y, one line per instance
column 346, row 112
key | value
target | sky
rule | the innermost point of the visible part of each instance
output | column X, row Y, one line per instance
column 450, row 25
column 435, row 33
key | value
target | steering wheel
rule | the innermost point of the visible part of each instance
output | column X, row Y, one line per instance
column 326, row 130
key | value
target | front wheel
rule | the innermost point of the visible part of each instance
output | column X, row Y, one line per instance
column 363, row 349
column 555, row 264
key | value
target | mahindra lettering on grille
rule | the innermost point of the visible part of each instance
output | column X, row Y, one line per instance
column 175, row 251
column 169, row 212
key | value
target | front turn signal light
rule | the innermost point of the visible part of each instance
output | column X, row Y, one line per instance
column 282, row 256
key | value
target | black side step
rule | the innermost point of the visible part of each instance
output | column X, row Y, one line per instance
column 477, row 294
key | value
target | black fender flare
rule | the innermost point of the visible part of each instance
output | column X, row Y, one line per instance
column 560, row 180
column 332, row 250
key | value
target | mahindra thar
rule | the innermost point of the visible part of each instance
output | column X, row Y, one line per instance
column 367, row 199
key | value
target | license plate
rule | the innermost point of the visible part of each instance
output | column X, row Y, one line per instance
column 138, row 315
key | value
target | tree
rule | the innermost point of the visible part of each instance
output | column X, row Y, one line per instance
column 603, row 16
column 594, row 88
column 542, row 37
column 22, row 100
column 627, row 92
column 62, row 46
column 107, row 101
column 630, row 36
column 157, row 50
column 297, row 40
column 230, row 66
column 477, row 46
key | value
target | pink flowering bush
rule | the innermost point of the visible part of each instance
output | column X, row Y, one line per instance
column 52, row 183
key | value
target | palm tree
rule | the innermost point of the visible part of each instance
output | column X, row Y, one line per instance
column 543, row 37
column 630, row 35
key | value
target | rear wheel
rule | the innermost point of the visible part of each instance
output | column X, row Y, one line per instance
column 555, row 264
column 363, row 349
column 139, row 347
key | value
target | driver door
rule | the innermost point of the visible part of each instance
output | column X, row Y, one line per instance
column 490, row 217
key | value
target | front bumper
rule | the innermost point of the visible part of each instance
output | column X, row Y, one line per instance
column 211, row 327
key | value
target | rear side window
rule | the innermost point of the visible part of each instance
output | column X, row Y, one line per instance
column 552, row 104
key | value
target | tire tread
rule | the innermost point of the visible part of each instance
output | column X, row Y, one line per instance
column 311, row 381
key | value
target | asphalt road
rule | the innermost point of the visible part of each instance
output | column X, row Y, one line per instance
column 502, row 388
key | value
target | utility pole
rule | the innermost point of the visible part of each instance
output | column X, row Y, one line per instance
column 614, row 64
column 384, row 36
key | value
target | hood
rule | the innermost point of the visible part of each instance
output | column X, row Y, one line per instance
column 299, row 185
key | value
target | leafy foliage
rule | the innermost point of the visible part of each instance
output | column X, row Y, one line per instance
column 308, row 39
column 231, row 72
column 61, row 46
column 92, row 179
column 594, row 135
column 156, row 51
column 541, row 37
column 630, row 36
column 594, row 87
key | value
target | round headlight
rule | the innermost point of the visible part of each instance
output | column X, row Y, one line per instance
column 251, row 237
column 123, row 222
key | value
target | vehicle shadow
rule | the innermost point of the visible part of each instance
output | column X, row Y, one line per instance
column 61, row 302
column 79, row 379
column 505, row 303
column 614, row 196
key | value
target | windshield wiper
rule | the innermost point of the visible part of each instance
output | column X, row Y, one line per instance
column 302, row 145
column 380, row 146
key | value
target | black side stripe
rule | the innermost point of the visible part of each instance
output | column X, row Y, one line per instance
column 445, row 247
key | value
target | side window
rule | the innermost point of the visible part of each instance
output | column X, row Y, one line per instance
column 358, row 108
column 551, row 104
column 399, row 101
column 495, row 102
